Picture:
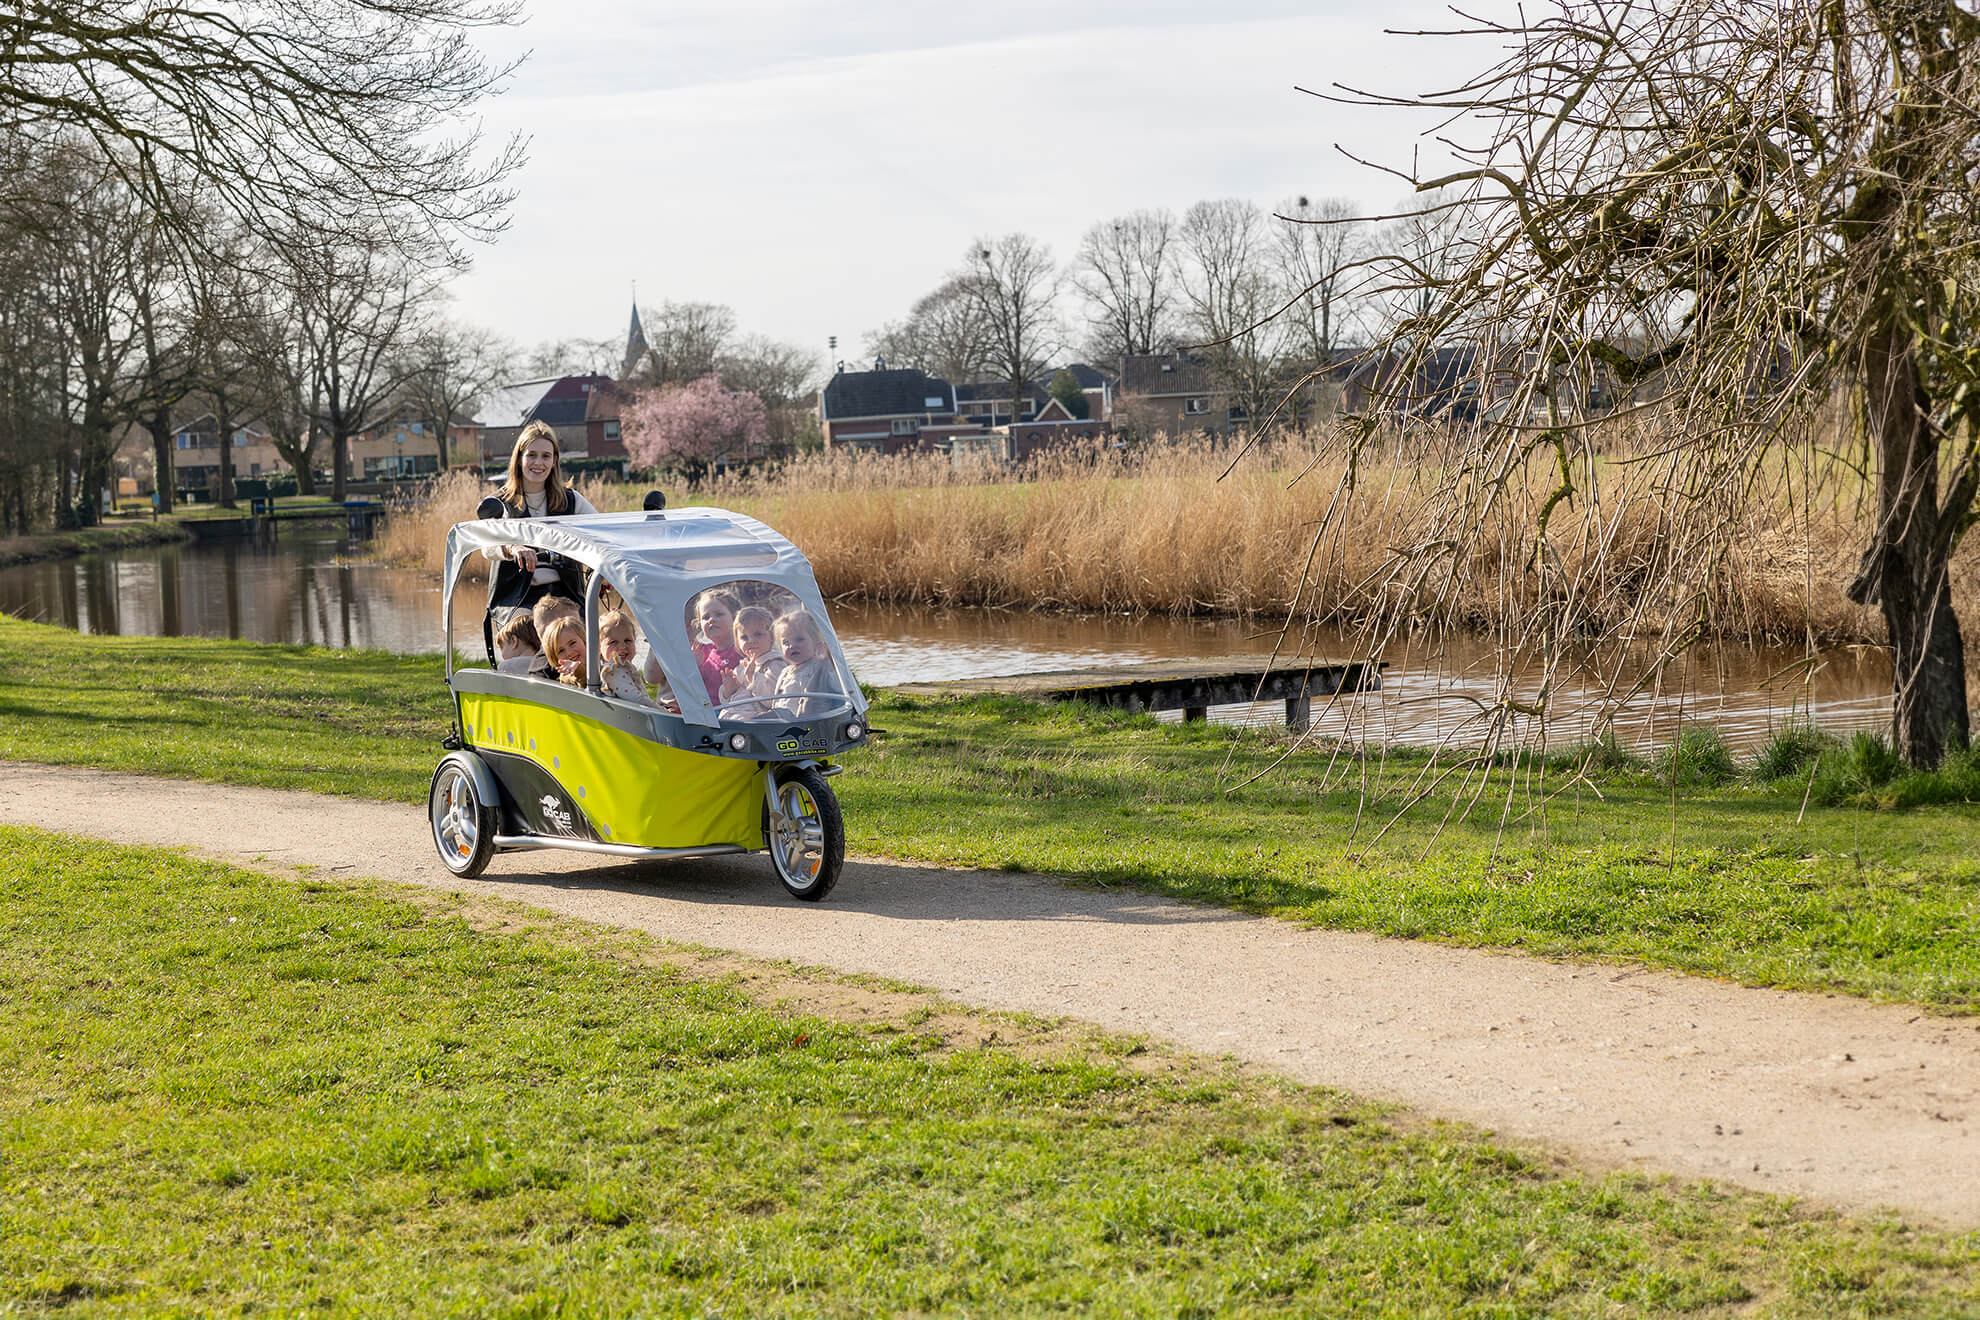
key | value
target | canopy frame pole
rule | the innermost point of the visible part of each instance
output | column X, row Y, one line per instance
column 591, row 601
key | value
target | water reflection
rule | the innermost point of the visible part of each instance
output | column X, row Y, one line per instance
column 304, row 588
column 317, row 589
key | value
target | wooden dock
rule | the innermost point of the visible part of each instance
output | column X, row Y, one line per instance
column 1191, row 687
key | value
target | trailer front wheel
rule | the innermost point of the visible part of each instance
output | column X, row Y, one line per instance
column 806, row 833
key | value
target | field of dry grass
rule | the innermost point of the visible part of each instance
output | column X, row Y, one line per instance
column 1166, row 531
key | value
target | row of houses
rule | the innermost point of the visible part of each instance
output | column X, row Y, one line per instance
column 891, row 411
column 583, row 410
column 883, row 411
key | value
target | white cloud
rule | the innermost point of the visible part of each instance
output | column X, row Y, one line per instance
column 822, row 195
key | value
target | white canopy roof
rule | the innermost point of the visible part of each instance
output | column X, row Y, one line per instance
column 659, row 562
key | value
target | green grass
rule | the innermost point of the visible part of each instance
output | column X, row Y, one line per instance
column 229, row 1093
column 1647, row 863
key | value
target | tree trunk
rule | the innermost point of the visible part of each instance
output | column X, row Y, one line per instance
column 223, row 422
column 160, row 426
column 1909, row 560
column 340, row 465
column 65, row 490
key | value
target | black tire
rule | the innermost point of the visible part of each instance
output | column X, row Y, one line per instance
column 463, row 825
column 806, row 835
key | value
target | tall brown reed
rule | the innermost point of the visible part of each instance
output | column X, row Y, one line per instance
column 1166, row 529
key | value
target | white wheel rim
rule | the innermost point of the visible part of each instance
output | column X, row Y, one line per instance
column 797, row 834
column 456, row 818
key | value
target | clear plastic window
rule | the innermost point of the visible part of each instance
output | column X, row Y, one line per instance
column 763, row 655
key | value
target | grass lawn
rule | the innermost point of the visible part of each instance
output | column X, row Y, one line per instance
column 1724, row 881
column 224, row 1093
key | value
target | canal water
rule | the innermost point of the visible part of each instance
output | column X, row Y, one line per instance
column 314, row 586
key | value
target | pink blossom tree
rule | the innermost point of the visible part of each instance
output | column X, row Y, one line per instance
column 686, row 427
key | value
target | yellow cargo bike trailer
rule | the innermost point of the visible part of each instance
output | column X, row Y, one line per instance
column 540, row 764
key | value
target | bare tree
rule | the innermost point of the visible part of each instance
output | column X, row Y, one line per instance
column 1230, row 296
column 945, row 335
column 1013, row 286
column 103, row 231
column 360, row 305
column 1735, row 213
column 448, row 369
column 1125, row 272
column 281, row 363
column 339, row 115
column 685, row 341
column 571, row 357
column 778, row 373
column 1321, row 245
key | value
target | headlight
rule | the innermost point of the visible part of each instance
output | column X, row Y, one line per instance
column 853, row 731
column 738, row 742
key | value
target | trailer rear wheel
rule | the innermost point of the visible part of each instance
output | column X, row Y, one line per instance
column 463, row 824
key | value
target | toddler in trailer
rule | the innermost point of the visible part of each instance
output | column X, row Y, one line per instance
column 617, row 675
column 808, row 666
column 517, row 645
column 762, row 664
column 563, row 647
column 546, row 612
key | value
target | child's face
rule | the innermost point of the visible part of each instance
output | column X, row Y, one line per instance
column 753, row 638
column 797, row 643
column 573, row 652
column 718, row 622
column 617, row 643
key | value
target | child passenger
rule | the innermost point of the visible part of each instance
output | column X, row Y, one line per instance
column 762, row 664
column 617, row 640
column 808, row 666
column 711, row 639
column 546, row 612
column 563, row 648
column 715, row 620
column 517, row 645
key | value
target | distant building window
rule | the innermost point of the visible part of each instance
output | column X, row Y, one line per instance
column 904, row 426
column 240, row 439
column 611, row 430
column 933, row 403
column 185, row 441
column 1234, row 413
column 1191, row 407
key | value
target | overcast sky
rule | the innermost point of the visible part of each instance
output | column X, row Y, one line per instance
column 818, row 167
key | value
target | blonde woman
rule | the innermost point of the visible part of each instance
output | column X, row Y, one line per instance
column 519, row 576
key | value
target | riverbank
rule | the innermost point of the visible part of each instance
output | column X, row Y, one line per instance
column 119, row 535
column 1674, row 864
column 254, row 1090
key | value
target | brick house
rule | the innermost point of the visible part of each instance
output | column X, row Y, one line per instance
column 1172, row 394
column 988, row 403
column 196, row 454
column 1052, row 427
column 407, row 444
column 560, row 402
column 889, row 411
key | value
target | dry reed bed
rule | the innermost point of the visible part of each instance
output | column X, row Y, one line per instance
column 1161, row 533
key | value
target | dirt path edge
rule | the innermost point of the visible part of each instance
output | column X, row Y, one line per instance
column 1857, row 1105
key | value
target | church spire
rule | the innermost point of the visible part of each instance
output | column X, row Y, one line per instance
column 635, row 343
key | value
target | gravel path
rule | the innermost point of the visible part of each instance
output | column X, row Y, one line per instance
column 1852, row 1104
